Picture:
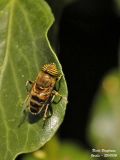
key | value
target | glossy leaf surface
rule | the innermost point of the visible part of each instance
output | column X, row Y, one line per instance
column 24, row 49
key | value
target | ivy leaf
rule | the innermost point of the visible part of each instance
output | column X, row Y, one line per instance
column 24, row 49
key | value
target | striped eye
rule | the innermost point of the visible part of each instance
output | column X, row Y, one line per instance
column 51, row 69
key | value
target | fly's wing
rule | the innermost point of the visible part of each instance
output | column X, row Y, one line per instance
column 26, row 103
column 29, row 85
column 24, row 110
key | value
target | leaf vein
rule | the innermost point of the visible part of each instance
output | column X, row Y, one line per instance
column 3, row 70
column 6, row 127
column 27, row 21
column 26, row 61
column 16, row 82
column 7, row 43
column 26, row 137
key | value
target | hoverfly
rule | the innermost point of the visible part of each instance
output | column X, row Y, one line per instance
column 43, row 90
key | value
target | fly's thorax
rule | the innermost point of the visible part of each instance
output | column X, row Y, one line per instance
column 45, row 80
column 42, row 94
column 38, row 100
column 43, row 86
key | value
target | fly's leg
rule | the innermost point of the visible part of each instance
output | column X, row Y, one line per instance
column 57, row 101
column 45, row 117
column 58, row 82
column 50, row 111
column 45, row 113
column 55, row 93
column 41, row 109
column 48, row 105
column 48, row 108
column 24, row 110
column 29, row 85
column 61, row 97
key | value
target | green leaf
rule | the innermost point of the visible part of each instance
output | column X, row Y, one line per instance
column 24, row 49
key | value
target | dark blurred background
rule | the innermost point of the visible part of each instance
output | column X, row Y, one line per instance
column 89, row 39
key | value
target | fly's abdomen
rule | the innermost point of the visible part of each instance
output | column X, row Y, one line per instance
column 35, row 104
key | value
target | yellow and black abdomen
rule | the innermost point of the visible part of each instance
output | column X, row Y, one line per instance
column 35, row 104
